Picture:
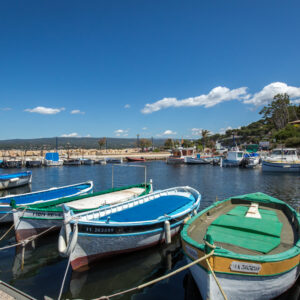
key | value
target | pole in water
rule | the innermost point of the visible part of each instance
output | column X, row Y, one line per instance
column 167, row 232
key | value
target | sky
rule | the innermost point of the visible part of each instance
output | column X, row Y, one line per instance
column 155, row 68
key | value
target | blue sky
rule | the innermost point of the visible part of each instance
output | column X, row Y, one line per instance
column 154, row 68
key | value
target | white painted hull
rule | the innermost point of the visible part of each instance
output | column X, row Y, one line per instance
column 280, row 167
column 194, row 160
column 7, row 184
column 92, row 247
column 51, row 163
column 240, row 287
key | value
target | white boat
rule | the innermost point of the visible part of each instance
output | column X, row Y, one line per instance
column 87, row 161
column 251, row 160
column 196, row 160
column 8, row 181
column 114, row 160
column 130, row 226
column 233, row 159
column 179, row 154
column 282, row 160
column 72, row 162
column 52, row 159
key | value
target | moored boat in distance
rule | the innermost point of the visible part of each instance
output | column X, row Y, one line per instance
column 72, row 162
column 41, row 197
column 13, row 180
column 52, row 159
column 114, row 160
column 33, row 219
column 130, row 226
column 233, row 159
column 253, row 244
column 282, row 160
column 135, row 159
column 196, row 160
column 179, row 154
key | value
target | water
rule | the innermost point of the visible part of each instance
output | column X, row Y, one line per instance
column 43, row 269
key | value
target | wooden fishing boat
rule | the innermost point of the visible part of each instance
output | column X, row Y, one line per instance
column 130, row 226
column 33, row 219
column 72, row 162
column 13, row 180
column 254, row 242
column 41, row 196
column 179, row 154
column 135, row 159
column 52, row 159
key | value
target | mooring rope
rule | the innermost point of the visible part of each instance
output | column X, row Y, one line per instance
column 5, row 216
column 64, row 279
column 139, row 287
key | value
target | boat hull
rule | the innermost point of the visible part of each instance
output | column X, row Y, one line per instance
column 90, row 248
column 175, row 161
column 280, row 167
column 242, row 286
column 15, row 182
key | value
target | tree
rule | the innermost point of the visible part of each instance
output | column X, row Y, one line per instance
column 169, row 143
column 102, row 142
column 187, row 143
column 277, row 112
column 204, row 134
column 145, row 143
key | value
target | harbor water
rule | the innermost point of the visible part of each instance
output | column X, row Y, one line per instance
column 43, row 269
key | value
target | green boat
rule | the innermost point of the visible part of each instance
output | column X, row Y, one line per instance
column 252, row 245
column 33, row 219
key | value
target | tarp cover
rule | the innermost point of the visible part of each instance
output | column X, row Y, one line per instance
column 260, row 235
column 52, row 156
column 14, row 175
column 153, row 209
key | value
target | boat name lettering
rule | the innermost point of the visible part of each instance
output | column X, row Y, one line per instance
column 191, row 252
column 99, row 229
column 245, row 267
column 44, row 214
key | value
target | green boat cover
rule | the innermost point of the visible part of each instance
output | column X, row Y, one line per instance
column 260, row 235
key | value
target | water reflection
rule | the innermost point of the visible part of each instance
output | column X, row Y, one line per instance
column 16, row 191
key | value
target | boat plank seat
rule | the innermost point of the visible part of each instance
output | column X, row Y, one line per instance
column 105, row 199
column 151, row 210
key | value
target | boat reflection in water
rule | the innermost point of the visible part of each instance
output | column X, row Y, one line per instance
column 16, row 191
column 124, row 271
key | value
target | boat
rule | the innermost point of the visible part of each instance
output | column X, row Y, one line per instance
column 250, row 160
column 130, row 226
column 114, row 160
column 12, row 163
column 33, row 219
column 33, row 163
column 87, row 161
column 196, row 160
column 233, row 159
column 135, row 159
column 52, row 159
column 72, row 162
column 41, row 197
column 8, row 181
column 178, row 155
column 282, row 160
column 253, row 244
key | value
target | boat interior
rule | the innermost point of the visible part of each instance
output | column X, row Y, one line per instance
column 243, row 227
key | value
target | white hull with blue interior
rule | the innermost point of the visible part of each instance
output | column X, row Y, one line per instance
column 8, row 181
column 233, row 159
column 6, row 212
column 136, row 224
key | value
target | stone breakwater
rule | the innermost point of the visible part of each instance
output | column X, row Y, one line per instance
column 82, row 153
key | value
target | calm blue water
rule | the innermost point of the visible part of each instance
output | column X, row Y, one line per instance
column 43, row 270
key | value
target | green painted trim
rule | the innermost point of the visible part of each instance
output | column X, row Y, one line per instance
column 243, row 274
column 258, row 197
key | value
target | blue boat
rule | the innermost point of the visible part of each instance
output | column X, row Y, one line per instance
column 129, row 226
column 13, row 180
column 41, row 197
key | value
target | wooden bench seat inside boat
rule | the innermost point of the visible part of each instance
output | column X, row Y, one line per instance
column 105, row 199
column 272, row 234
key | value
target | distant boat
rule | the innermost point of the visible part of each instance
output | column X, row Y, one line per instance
column 253, row 241
column 87, row 161
column 33, row 163
column 72, row 162
column 41, row 197
column 282, row 160
column 12, row 164
column 233, row 159
column 196, row 160
column 178, row 155
column 130, row 226
column 114, row 160
column 135, row 159
column 51, row 213
column 52, row 159
column 13, row 180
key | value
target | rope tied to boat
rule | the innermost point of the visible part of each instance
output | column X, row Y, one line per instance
column 139, row 287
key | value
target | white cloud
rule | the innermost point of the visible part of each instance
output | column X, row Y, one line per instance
column 223, row 130
column 144, row 128
column 5, row 108
column 77, row 111
column 217, row 95
column 196, row 131
column 74, row 134
column 45, row 110
column 121, row 132
column 266, row 95
column 296, row 101
column 127, row 106
column 169, row 132
column 88, row 135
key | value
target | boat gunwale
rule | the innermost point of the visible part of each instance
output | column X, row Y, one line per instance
column 222, row 252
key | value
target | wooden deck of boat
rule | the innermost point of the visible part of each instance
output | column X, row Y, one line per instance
column 199, row 227
column 110, row 198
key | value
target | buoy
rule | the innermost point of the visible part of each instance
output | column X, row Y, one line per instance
column 167, row 232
